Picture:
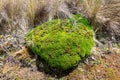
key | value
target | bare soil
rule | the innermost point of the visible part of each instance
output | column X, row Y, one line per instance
column 21, row 65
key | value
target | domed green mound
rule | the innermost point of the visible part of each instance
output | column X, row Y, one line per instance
column 62, row 43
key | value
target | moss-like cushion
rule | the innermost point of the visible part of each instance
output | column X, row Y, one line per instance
column 62, row 43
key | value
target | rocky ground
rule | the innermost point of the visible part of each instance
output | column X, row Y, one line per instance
column 21, row 65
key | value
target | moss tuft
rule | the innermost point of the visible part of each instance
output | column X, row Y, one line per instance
column 62, row 43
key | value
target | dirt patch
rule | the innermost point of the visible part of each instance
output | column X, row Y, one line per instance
column 105, row 67
column 22, row 65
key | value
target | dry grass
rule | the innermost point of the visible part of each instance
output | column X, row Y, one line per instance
column 47, row 10
column 1, row 4
column 30, row 10
column 107, row 18
column 104, row 15
column 91, row 7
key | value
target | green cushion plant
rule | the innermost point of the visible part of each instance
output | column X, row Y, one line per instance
column 62, row 43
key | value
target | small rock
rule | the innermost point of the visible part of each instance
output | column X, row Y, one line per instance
column 98, row 70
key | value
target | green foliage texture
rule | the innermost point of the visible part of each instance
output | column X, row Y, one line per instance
column 62, row 43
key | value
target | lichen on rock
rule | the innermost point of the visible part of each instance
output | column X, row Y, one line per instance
column 62, row 43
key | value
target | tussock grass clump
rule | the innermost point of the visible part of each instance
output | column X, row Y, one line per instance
column 61, row 43
column 103, row 16
column 107, row 19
